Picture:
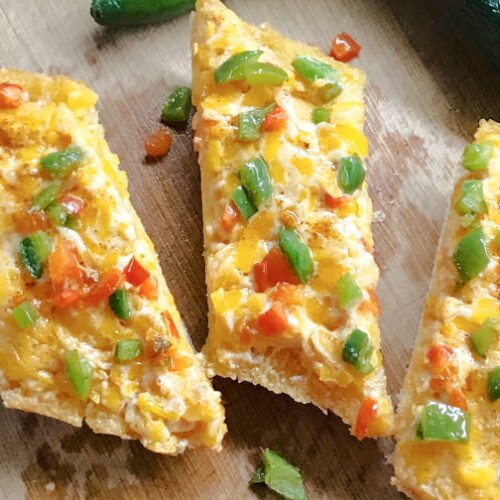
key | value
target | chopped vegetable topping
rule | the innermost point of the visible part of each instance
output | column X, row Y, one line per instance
column 12, row 96
column 255, row 179
column 64, row 269
column 135, row 273
column 275, row 120
column 29, row 222
column 348, row 291
column 471, row 255
column 439, row 357
column 57, row 214
column 320, row 115
column 34, row 251
column 471, row 199
column 232, row 69
column 336, row 201
column 494, row 384
column 261, row 73
column 484, row 336
column 106, row 286
column 367, row 414
column 351, row 173
column 280, row 476
column 358, row 351
column 45, row 197
column 80, row 373
column 178, row 361
column 250, row 122
column 158, row 143
column 25, row 314
column 297, row 252
column 274, row 320
column 127, row 349
column 73, row 204
column 61, row 163
column 177, row 105
column 171, row 325
column 149, row 289
column 344, row 48
column 230, row 216
column 243, row 202
column 477, row 155
column 442, row 422
column 119, row 303
column 274, row 268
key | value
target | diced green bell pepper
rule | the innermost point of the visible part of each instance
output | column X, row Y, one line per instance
column 45, row 197
column 442, row 422
column 261, row 73
column 351, row 173
column 484, row 336
column 298, row 253
column 34, row 251
column 471, row 199
column 25, row 314
column 250, row 122
column 477, row 155
column 255, row 179
column 61, row 163
column 127, row 349
column 348, row 291
column 177, row 105
column 57, row 214
column 280, row 476
column 494, row 384
column 320, row 115
column 120, row 305
column 232, row 69
column 243, row 202
column 471, row 255
column 357, row 351
column 80, row 373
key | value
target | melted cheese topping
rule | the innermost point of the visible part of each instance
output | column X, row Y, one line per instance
column 451, row 314
column 166, row 410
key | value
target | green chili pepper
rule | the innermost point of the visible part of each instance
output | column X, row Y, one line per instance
column 351, row 173
column 57, row 214
column 127, row 349
column 25, row 314
column 471, row 256
column 177, row 105
column 250, row 122
column 255, row 179
column 61, row 163
column 120, row 305
column 494, row 384
column 243, row 202
column 80, row 373
column 297, row 252
column 261, row 73
column 34, row 251
column 357, row 351
column 280, row 476
column 135, row 12
column 348, row 291
column 45, row 197
column 471, row 199
column 484, row 336
column 442, row 422
column 477, row 155
column 232, row 69
column 320, row 115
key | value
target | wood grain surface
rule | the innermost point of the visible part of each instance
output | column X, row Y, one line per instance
column 428, row 87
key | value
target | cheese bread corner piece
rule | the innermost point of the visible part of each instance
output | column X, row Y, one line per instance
column 448, row 424
column 88, row 328
column 290, row 272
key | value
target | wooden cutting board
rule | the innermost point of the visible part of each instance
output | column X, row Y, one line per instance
column 428, row 87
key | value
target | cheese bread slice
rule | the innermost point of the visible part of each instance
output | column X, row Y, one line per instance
column 289, row 252
column 88, row 328
column 448, row 426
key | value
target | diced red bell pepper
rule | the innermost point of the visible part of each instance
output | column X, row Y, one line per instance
column 274, row 321
column 106, row 286
column 12, row 95
column 439, row 357
column 64, row 266
column 367, row 414
column 149, row 288
column 275, row 120
column 272, row 269
column 73, row 204
column 287, row 294
column 337, row 201
column 135, row 273
column 344, row 48
column 457, row 398
column 172, row 326
column 67, row 298
column 158, row 144
column 230, row 217
column 29, row 222
column 177, row 361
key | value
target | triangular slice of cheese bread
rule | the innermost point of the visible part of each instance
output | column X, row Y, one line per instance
column 289, row 252
column 448, row 423
column 88, row 328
